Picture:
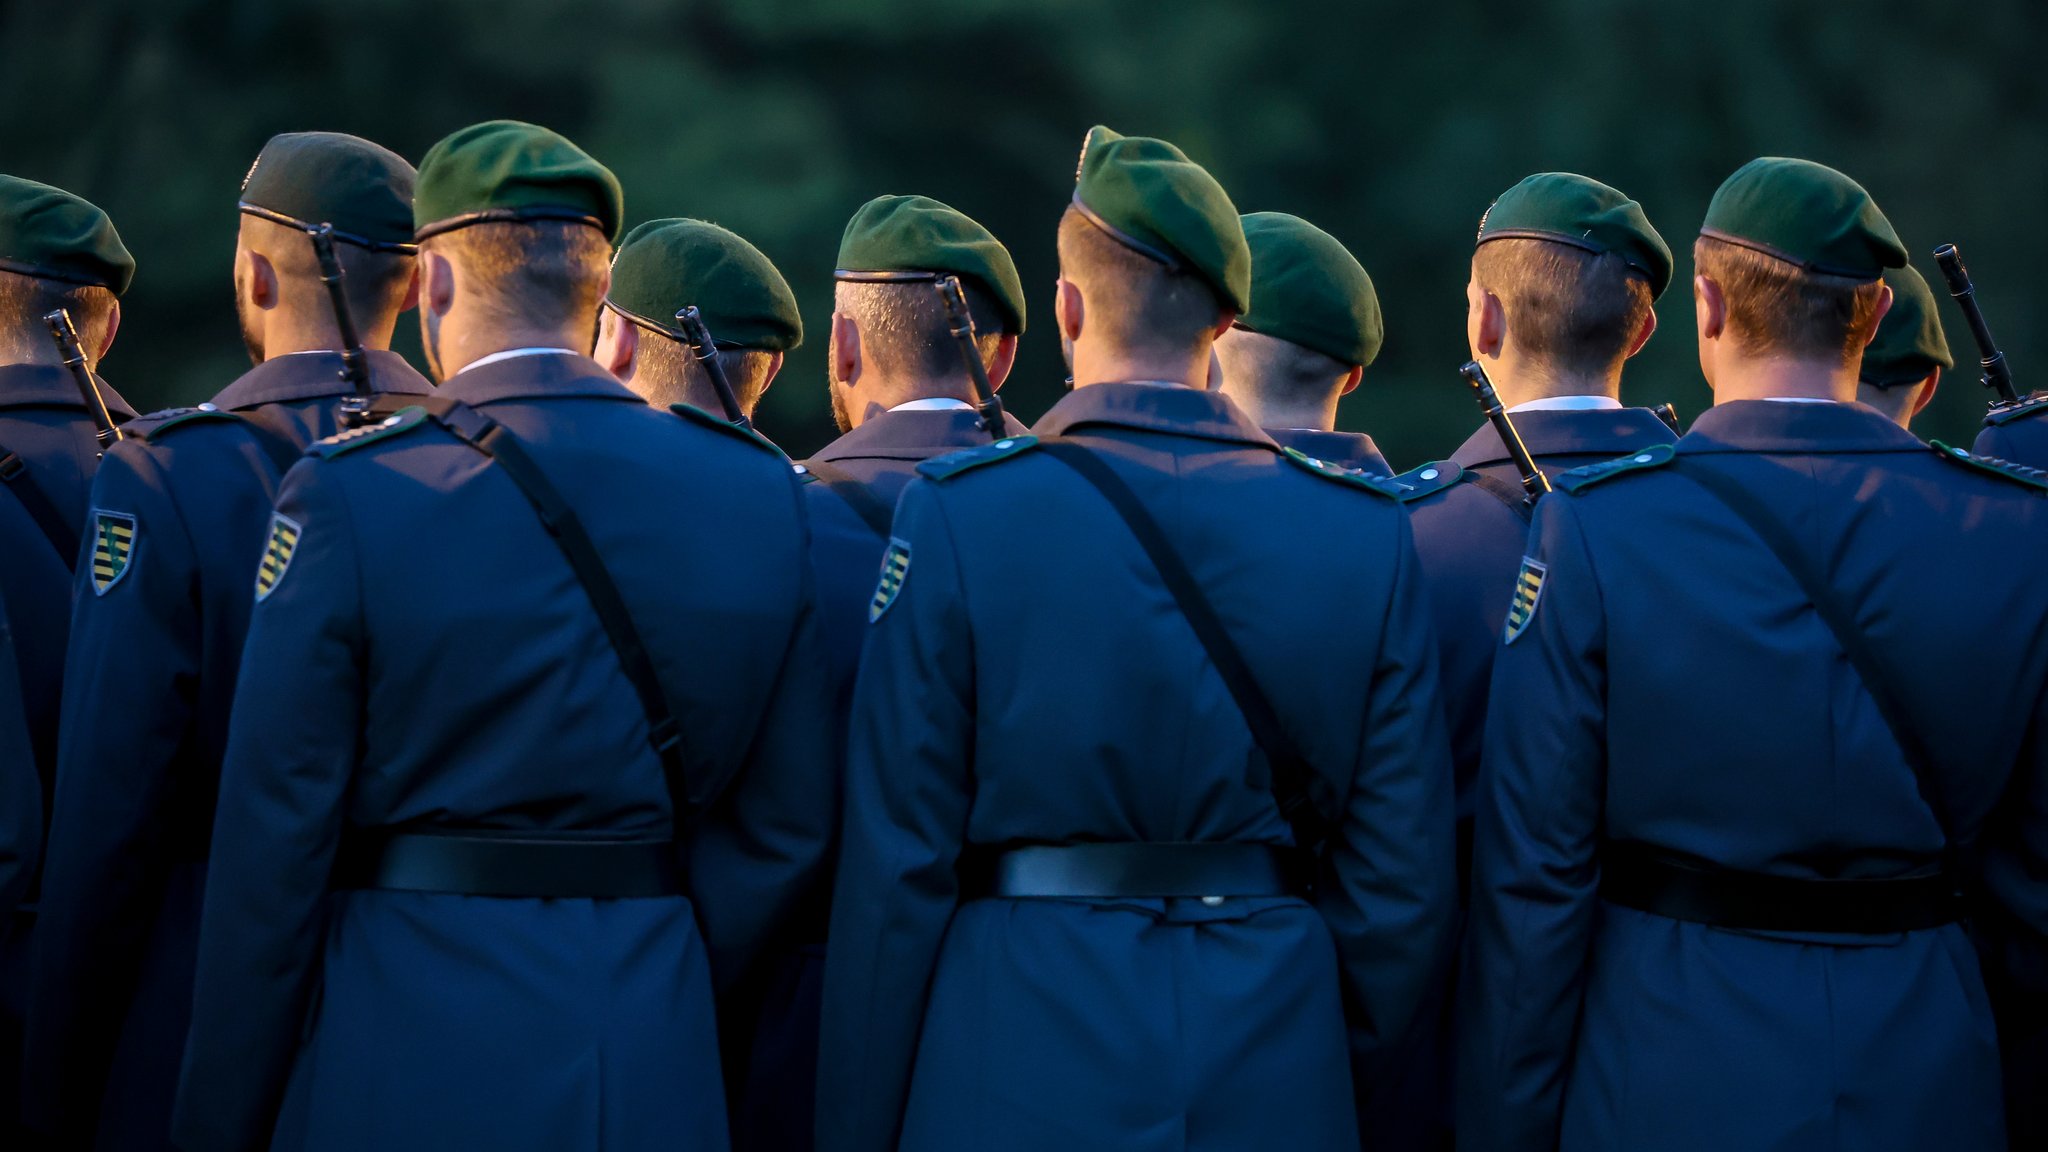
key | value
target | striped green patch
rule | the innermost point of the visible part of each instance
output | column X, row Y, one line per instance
column 113, row 546
column 277, row 554
column 895, row 570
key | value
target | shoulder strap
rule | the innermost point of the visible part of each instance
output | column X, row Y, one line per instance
column 62, row 535
column 1511, row 495
column 1292, row 774
column 877, row 515
column 565, row 528
column 1764, row 523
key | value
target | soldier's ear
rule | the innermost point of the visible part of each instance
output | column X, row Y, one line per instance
column 1710, row 308
column 843, row 353
column 437, row 283
column 259, row 283
column 618, row 344
column 1351, row 380
column 1643, row 334
column 1932, row 382
column 1884, row 305
column 1005, row 359
column 114, row 325
column 412, row 290
column 1067, row 310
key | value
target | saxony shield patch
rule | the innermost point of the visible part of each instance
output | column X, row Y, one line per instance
column 1528, row 590
column 277, row 554
column 895, row 570
column 113, row 545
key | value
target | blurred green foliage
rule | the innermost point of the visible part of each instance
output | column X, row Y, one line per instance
column 1392, row 125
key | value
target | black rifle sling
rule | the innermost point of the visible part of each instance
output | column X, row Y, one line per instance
column 877, row 515
column 664, row 731
column 1779, row 539
column 1513, row 495
column 1292, row 774
column 62, row 535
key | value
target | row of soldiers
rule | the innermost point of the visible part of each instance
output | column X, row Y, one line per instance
column 490, row 764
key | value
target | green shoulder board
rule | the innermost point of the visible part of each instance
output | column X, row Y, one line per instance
column 155, row 424
column 954, row 463
column 2017, row 473
column 804, row 475
column 1383, row 485
column 2025, row 406
column 1579, row 479
column 1428, row 480
column 697, row 415
column 404, row 421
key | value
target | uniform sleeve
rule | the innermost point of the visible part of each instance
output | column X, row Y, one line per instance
column 1535, row 871
column 1389, row 889
column 1992, row 441
column 21, row 789
column 2011, row 927
column 291, row 749
column 129, row 676
column 908, row 794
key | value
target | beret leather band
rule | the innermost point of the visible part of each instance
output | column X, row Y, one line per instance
column 1173, row 263
column 1780, row 254
column 675, row 334
column 534, row 215
column 890, row 276
column 1563, row 238
column 262, row 213
column 41, row 273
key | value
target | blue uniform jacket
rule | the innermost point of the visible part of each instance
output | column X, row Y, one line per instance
column 2019, row 434
column 774, row 1111
column 133, row 813
column 1347, row 449
column 1031, row 680
column 1674, row 686
column 427, row 660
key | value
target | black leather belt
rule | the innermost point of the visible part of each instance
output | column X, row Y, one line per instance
column 1635, row 876
column 1114, row 871
column 469, row 864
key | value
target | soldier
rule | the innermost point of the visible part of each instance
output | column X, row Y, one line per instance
column 180, row 512
column 513, row 719
column 665, row 266
column 1313, row 330
column 1729, row 798
column 1092, row 762
column 1903, row 365
column 56, row 251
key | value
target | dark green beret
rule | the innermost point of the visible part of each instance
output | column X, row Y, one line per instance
column 50, row 234
column 666, row 266
column 1909, row 342
column 1153, row 199
column 1805, row 214
column 1308, row 289
column 504, row 170
column 1567, row 208
column 306, row 179
column 916, row 237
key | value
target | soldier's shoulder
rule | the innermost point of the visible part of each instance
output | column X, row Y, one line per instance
column 2019, row 474
column 1578, row 480
column 952, row 464
column 1426, row 480
column 156, row 425
column 1339, row 474
column 2007, row 413
column 391, row 428
column 698, row 416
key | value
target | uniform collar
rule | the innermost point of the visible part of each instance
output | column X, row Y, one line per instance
column 314, row 375
column 933, row 404
column 535, row 377
column 1177, row 411
column 1349, row 449
column 1565, row 432
column 1567, row 404
column 51, row 386
column 1762, row 426
column 913, row 434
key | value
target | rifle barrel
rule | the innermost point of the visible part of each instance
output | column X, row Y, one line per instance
column 1997, row 374
column 65, row 333
column 1534, row 482
column 698, row 336
column 355, row 368
column 961, row 325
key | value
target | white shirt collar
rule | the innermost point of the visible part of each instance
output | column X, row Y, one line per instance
column 513, row 354
column 1798, row 399
column 1568, row 404
column 934, row 404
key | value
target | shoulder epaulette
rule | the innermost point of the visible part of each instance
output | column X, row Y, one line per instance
column 954, row 463
column 1428, row 480
column 2007, row 413
column 1383, row 485
column 2017, row 473
column 1579, row 479
column 804, row 475
column 155, row 424
column 697, row 415
column 396, row 425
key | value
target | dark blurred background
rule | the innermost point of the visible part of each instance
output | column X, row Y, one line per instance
column 1391, row 125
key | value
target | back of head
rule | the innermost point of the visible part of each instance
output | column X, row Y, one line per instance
column 1910, row 346
column 747, row 308
column 1315, row 316
column 893, row 255
column 362, row 191
column 1577, row 268
column 57, row 250
column 1798, row 251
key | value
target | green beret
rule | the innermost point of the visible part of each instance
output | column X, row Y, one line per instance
column 306, row 179
column 1567, row 208
column 1151, row 198
column 50, row 234
column 1909, row 342
column 1805, row 214
column 1308, row 289
column 506, row 170
column 666, row 266
column 918, row 238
